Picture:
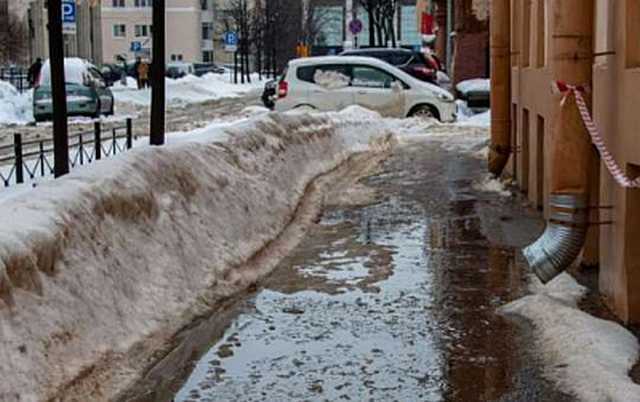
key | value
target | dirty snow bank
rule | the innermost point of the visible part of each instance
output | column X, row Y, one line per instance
column 586, row 356
column 100, row 268
column 15, row 108
column 187, row 90
column 492, row 185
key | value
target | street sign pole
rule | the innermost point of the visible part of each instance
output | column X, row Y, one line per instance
column 157, row 134
column 58, row 90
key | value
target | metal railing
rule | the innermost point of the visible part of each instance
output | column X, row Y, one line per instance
column 16, row 76
column 28, row 160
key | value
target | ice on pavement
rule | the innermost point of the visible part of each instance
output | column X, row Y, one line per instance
column 186, row 90
column 586, row 356
column 492, row 185
column 15, row 107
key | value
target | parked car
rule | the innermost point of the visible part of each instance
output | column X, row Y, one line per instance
column 206, row 68
column 270, row 93
column 87, row 91
column 179, row 70
column 476, row 92
column 334, row 82
column 112, row 73
column 412, row 62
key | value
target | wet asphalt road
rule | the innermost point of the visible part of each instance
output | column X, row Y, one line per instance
column 391, row 301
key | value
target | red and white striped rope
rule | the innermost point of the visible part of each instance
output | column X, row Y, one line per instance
column 610, row 162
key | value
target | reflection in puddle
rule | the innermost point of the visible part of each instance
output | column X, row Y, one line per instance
column 353, row 345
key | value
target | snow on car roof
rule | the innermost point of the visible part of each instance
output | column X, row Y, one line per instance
column 336, row 59
column 75, row 70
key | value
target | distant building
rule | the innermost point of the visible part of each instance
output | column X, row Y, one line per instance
column 110, row 28
column 462, row 36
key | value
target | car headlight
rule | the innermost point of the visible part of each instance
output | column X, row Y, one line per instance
column 445, row 97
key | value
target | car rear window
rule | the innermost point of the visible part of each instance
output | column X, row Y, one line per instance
column 311, row 73
column 400, row 58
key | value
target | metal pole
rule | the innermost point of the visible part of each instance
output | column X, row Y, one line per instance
column 58, row 91
column 17, row 145
column 157, row 135
column 129, row 134
column 97, row 140
column 450, row 14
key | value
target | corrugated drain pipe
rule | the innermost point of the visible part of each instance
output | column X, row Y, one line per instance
column 500, row 43
column 571, row 62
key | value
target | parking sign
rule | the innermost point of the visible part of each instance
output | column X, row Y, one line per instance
column 69, row 17
column 230, row 41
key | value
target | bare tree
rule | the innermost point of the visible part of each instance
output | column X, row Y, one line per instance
column 13, row 36
column 381, row 14
column 238, row 18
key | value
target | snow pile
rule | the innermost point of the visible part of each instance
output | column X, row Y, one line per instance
column 492, row 185
column 587, row 356
column 15, row 108
column 116, row 257
column 190, row 89
column 477, row 120
column 331, row 79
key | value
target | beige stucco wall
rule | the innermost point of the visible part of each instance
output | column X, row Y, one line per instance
column 184, row 26
column 616, row 113
column 615, row 94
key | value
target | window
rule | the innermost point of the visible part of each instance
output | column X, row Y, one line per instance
column 327, row 76
column 142, row 3
column 516, row 35
column 176, row 57
column 633, row 33
column 207, row 56
column 118, row 3
column 204, row 4
column 541, row 30
column 142, row 30
column 526, row 33
column 369, row 77
column 119, row 31
column 207, row 30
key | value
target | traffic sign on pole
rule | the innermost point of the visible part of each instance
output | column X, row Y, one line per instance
column 69, row 17
column 230, row 41
column 355, row 26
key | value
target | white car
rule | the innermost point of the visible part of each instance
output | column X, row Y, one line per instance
column 335, row 82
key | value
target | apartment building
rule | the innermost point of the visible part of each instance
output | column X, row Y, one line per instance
column 127, row 29
column 614, row 239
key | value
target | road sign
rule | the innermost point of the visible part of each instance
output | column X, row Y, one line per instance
column 69, row 17
column 230, row 41
column 136, row 46
column 355, row 26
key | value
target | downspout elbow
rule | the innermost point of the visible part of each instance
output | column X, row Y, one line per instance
column 563, row 239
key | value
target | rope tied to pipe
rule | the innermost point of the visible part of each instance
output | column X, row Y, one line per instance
column 560, row 87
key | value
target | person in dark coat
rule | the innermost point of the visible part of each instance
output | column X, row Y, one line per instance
column 34, row 72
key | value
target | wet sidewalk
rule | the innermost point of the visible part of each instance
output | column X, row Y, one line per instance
column 390, row 301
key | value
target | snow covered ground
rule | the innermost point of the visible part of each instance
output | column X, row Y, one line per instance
column 586, row 356
column 17, row 109
column 190, row 89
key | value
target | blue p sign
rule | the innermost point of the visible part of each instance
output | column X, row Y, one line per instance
column 69, row 11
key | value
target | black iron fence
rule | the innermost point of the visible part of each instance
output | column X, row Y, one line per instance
column 28, row 160
column 16, row 76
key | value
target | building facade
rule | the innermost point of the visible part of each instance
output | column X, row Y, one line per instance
column 462, row 36
column 127, row 29
column 614, row 240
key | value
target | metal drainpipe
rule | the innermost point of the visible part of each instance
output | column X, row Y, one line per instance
column 572, row 157
column 449, row 38
column 500, row 86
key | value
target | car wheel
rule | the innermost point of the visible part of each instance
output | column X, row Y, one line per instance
column 424, row 112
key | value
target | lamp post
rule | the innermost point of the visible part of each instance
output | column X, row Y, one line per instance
column 157, row 134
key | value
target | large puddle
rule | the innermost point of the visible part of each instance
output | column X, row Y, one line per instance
column 390, row 302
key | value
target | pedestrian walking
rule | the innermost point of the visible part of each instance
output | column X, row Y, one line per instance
column 143, row 75
column 34, row 72
column 136, row 67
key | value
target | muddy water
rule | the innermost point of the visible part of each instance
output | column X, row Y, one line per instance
column 394, row 300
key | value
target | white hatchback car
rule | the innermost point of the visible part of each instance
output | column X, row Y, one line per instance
column 333, row 83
